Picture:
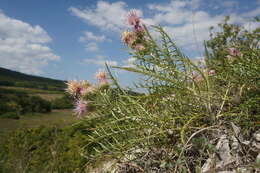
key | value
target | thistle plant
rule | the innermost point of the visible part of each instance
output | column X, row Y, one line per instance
column 182, row 99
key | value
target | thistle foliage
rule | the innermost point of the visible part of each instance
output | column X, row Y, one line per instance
column 177, row 105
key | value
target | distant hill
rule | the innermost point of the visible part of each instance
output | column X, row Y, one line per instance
column 17, row 79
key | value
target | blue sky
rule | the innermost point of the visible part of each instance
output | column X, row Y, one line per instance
column 72, row 39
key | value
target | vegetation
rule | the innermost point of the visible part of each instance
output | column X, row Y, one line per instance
column 45, row 149
column 14, row 103
column 58, row 118
column 64, row 102
column 12, row 78
column 17, row 101
column 178, row 125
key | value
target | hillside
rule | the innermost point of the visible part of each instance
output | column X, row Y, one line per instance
column 17, row 79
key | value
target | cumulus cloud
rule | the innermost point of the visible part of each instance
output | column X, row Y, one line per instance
column 90, row 36
column 253, row 13
column 229, row 4
column 92, row 46
column 186, row 21
column 189, row 26
column 23, row 47
column 100, row 61
column 106, row 15
column 129, row 62
column 91, row 40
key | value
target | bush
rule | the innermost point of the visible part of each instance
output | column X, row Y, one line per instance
column 43, row 149
column 21, row 103
column 182, row 99
column 11, row 115
column 64, row 102
column 6, row 83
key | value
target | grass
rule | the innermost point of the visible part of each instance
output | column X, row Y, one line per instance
column 56, row 117
column 48, row 96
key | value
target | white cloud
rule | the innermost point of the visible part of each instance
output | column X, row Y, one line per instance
column 91, row 40
column 172, row 13
column 253, row 13
column 229, row 3
column 186, row 24
column 106, row 15
column 129, row 62
column 90, row 36
column 100, row 61
column 186, row 21
column 189, row 26
column 23, row 47
column 92, row 46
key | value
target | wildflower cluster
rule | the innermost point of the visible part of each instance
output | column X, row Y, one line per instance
column 82, row 91
column 184, row 102
column 135, row 38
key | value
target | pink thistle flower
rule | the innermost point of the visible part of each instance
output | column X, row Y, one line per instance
column 138, row 29
column 212, row 72
column 133, row 18
column 88, row 90
column 234, row 52
column 91, row 89
column 82, row 91
column 73, row 88
column 84, row 85
column 101, row 77
column 76, row 88
column 128, row 38
column 80, row 108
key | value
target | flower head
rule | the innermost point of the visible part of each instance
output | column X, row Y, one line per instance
column 74, row 87
column 91, row 89
column 77, row 87
column 101, row 75
column 234, row 52
column 128, row 38
column 80, row 108
column 138, row 29
column 133, row 18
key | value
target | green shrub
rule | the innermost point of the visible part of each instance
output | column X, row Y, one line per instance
column 182, row 98
column 21, row 103
column 11, row 115
column 44, row 149
column 64, row 102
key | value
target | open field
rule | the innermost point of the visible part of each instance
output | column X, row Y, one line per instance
column 48, row 95
column 32, row 90
column 56, row 117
